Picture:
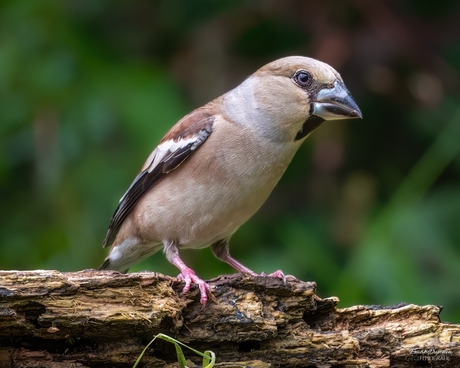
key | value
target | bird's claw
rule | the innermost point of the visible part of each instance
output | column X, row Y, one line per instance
column 189, row 277
column 280, row 275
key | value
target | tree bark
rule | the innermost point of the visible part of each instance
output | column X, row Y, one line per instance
column 105, row 319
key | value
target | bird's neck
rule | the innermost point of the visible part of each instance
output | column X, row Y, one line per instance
column 257, row 112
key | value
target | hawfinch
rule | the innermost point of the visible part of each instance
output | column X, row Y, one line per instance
column 215, row 168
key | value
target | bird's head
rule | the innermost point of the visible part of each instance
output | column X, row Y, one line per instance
column 288, row 98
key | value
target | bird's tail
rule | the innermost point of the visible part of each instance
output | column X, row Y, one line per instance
column 105, row 265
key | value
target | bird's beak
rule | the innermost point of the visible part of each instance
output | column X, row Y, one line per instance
column 336, row 103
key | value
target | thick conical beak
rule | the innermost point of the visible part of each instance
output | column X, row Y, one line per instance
column 336, row 103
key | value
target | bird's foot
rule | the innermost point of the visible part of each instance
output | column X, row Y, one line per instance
column 280, row 275
column 189, row 277
column 217, row 249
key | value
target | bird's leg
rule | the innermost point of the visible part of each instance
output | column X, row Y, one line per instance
column 238, row 266
column 221, row 251
column 186, row 273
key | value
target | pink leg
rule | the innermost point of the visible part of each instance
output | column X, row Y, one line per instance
column 186, row 273
column 241, row 268
column 220, row 250
column 237, row 265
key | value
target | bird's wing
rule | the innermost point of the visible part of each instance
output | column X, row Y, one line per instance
column 177, row 145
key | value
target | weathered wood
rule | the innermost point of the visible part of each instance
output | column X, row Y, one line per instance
column 94, row 319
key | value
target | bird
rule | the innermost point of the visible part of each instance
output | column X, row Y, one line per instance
column 217, row 165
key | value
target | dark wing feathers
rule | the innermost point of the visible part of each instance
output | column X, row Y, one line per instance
column 193, row 130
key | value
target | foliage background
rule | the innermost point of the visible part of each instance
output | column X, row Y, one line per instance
column 369, row 209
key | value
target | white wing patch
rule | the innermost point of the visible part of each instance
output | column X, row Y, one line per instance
column 165, row 149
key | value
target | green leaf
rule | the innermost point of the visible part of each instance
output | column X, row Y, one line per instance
column 209, row 358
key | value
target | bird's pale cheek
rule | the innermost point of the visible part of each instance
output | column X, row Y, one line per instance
column 310, row 124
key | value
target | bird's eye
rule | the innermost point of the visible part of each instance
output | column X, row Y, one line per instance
column 303, row 78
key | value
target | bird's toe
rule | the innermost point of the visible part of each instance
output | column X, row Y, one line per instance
column 280, row 274
column 189, row 277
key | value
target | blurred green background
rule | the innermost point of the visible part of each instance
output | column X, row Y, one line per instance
column 369, row 209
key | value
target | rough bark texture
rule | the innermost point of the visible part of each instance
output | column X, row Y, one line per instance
column 104, row 319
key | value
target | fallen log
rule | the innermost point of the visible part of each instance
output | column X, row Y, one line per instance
column 105, row 319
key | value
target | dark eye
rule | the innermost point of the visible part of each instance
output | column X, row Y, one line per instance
column 303, row 78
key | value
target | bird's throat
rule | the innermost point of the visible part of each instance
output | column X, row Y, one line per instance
column 310, row 124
